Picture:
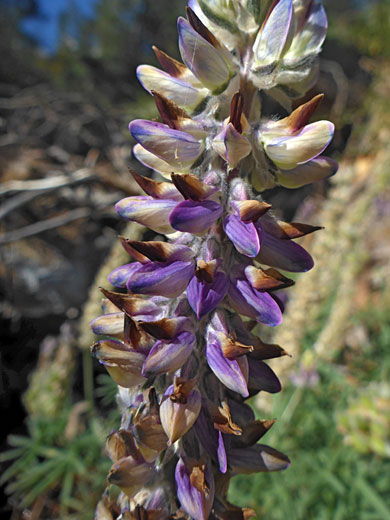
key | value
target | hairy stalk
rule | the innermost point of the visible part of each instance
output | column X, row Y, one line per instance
column 178, row 340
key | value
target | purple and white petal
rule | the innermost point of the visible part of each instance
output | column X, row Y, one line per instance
column 284, row 254
column 274, row 36
column 315, row 170
column 150, row 212
column 161, row 278
column 152, row 161
column 244, row 235
column 221, row 453
column 168, row 356
column 181, row 92
column 195, row 503
column 253, row 303
column 108, row 324
column 204, row 60
column 177, row 148
column 204, row 297
column 289, row 151
column 231, row 145
column 310, row 34
column 195, row 217
column 228, row 371
column 119, row 276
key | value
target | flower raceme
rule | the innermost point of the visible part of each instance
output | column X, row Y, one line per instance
column 181, row 338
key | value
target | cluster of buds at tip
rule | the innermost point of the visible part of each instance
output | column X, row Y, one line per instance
column 181, row 337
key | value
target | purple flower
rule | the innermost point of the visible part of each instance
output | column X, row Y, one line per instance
column 247, row 300
column 195, row 489
column 206, row 289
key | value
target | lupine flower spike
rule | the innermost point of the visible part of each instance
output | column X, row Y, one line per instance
column 181, row 338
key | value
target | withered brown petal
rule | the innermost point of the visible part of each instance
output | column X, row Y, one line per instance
column 252, row 210
column 149, row 432
column 232, row 348
column 120, row 444
column 267, row 279
column 263, row 350
column 125, row 242
column 170, row 112
column 151, row 187
column 236, row 108
column 290, row 230
column 190, row 186
column 205, row 271
column 125, row 302
column 222, row 420
column 156, row 251
column 173, row 67
column 301, row 115
column 181, row 389
column 201, row 29
column 166, row 328
column 198, row 480
column 254, row 431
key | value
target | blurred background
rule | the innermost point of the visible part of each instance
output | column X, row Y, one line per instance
column 67, row 92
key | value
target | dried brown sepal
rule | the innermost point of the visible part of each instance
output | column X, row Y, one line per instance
column 267, row 279
column 190, row 186
column 263, row 350
column 125, row 242
column 252, row 210
column 201, row 29
column 151, row 187
column 149, row 432
column 254, row 431
column 155, row 250
column 205, row 271
column 127, row 303
column 173, row 67
column 121, row 444
column 236, row 108
column 165, row 328
column 181, row 389
column 232, row 349
column 290, row 230
column 170, row 112
column 222, row 419
column 197, row 478
column 301, row 115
